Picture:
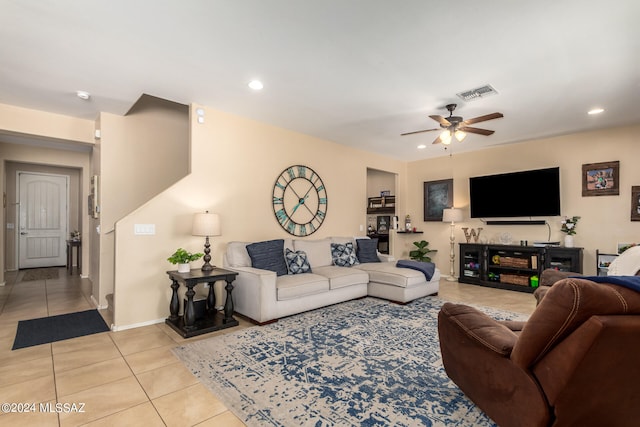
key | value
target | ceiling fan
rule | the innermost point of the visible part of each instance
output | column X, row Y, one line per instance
column 456, row 126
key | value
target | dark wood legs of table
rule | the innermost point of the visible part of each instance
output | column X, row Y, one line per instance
column 188, row 325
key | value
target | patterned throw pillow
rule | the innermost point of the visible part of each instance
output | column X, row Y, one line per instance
column 343, row 255
column 297, row 261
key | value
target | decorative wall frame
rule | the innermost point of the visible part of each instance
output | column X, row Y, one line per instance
column 635, row 203
column 438, row 195
column 601, row 179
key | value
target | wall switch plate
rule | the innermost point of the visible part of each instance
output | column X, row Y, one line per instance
column 144, row 229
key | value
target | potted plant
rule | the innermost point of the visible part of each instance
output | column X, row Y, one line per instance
column 420, row 254
column 183, row 258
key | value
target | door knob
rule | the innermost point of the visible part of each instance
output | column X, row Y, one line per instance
column 23, row 233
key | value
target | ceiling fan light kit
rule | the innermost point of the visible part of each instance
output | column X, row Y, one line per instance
column 457, row 126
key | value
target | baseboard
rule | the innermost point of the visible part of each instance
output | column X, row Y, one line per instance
column 98, row 306
column 136, row 325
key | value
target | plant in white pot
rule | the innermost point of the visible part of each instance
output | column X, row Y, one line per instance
column 183, row 258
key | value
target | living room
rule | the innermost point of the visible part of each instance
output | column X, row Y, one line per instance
column 242, row 199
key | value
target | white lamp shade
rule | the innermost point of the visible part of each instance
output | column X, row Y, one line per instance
column 206, row 224
column 451, row 215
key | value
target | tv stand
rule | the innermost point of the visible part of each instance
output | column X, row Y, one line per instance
column 512, row 267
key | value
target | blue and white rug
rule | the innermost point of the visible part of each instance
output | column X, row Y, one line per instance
column 361, row 363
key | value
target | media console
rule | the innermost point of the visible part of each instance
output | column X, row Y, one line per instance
column 511, row 267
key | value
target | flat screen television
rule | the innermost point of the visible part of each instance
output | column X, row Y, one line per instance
column 516, row 194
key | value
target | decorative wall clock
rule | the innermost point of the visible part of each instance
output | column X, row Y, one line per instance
column 299, row 200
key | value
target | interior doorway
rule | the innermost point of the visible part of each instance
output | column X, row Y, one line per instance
column 43, row 219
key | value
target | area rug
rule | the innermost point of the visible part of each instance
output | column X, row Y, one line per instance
column 57, row 328
column 40, row 274
column 366, row 362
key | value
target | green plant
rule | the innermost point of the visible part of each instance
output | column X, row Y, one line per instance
column 420, row 254
column 569, row 225
column 181, row 256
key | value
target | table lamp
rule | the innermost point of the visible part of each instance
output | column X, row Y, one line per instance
column 452, row 215
column 206, row 224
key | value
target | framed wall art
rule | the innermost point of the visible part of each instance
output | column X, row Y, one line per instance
column 635, row 203
column 438, row 195
column 601, row 179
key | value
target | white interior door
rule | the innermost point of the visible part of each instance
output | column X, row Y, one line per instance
column 43, row 219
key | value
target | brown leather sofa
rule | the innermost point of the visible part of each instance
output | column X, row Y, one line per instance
column 575, row 362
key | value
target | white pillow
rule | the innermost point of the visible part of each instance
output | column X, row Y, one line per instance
column 318, row 251
column 627, row 264
column 237, row 255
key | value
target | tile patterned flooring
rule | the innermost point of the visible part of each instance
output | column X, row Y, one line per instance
column 129, row 377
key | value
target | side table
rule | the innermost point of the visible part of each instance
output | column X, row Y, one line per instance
column 187, row 325
column 78, row 245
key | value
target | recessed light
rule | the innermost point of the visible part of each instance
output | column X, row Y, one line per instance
column 422, row 147
column 596, row 111
column 83, row 95
column 256, row 84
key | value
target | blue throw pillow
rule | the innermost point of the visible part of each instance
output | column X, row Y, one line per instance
column 367, row 250
column 343, row 255
column 268, row 255
column 297, row 261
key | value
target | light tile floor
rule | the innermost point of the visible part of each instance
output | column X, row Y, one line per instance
column 127, row 378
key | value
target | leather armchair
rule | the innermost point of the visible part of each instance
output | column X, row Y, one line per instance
column 575, row 362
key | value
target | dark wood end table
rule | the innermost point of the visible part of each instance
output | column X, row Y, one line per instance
column 187, row 325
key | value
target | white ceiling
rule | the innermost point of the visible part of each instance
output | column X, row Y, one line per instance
column 357, row 72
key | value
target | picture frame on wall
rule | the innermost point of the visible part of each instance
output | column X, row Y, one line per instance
column 635, row 203
column 383, row 223
column 601, row 179
column 438, row 195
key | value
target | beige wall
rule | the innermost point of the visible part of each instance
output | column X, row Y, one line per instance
column 139, row 156
column 23, row 121
column 605, row 219
column 235, row 163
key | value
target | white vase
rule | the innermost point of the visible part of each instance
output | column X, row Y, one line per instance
column 568, row 241
column 184, row 268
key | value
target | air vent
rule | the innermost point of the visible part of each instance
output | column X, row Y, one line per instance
column 480, row 92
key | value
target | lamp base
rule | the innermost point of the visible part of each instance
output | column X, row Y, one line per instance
column 207, row 267
column 451, row 279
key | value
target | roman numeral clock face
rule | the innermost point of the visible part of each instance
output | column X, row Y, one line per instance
column 299, row 200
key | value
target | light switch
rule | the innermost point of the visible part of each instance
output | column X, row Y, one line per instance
column 144, row 229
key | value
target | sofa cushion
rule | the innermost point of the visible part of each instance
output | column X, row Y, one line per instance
column 387, row 273
column 367, row 250
column 268, row 255
column 340, row 277
column 237, row 255
column 343, row 254
column 318, row 251
column 297, row 261
column 292, row 286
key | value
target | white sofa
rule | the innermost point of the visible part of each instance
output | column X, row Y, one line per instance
column 263, row 296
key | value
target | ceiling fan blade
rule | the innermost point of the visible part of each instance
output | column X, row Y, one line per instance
column 483, row 118
column 417, row 131
column 441, row 120
column 437, row 141
column 479, row 131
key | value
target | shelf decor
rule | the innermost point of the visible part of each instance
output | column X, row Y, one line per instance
column 601, row 179
column 438, row 195
column 569, row 227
